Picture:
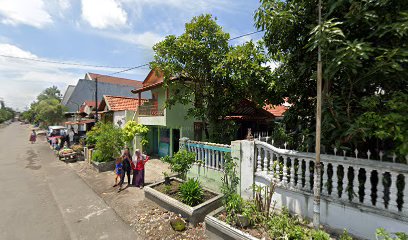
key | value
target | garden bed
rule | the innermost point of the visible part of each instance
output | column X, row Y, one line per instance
column 104, row 166
column 168, row 198
column 218, row 229
column 294, row 228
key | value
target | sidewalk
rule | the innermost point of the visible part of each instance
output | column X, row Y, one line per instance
column 148, row 219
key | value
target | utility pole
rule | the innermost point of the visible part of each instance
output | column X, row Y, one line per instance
column 96, row 99
column 317, row 166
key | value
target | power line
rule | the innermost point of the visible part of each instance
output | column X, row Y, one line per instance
column 246, row 34
column 105, row 66
column 62, row 63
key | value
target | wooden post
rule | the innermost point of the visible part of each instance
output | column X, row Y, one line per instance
column 317, row 172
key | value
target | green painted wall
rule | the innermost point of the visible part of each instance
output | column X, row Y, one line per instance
column 208, row 178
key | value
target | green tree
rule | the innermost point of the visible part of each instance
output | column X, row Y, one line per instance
column 51, row 92
column 364, row 52
column 47, row 109
column 6, row 113
column 209, row 73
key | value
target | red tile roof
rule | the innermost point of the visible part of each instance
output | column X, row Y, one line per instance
column 116, row 80
column 119, row 103
column 276, row 110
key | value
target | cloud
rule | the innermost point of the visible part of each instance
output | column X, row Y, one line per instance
column 144, row 40
column 64, row 4
column 27, row 12
column 103, row 14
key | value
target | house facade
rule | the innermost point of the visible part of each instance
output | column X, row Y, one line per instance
column 167, row 125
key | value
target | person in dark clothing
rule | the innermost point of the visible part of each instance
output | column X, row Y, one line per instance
column 127, row 159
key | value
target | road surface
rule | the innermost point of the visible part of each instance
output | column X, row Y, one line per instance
column 43, row 198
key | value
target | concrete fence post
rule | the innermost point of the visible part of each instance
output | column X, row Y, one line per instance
column 183, row 143
column 244, row 152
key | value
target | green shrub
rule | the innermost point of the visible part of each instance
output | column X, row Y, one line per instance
column 191, row 192
column 132, row 128
column 345, row 236
column 181, row 162
column 109, row 141
column 382, row 234
column 320, row 235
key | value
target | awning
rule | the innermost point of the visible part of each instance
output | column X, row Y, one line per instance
column 80, row 122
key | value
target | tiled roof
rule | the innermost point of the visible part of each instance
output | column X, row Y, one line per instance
column 119, row 103
column 276, row 110
column 116, row 80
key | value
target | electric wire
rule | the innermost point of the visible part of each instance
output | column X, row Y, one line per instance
column 126, row 69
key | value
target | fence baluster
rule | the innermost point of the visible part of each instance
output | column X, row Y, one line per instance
column 299, row 174
column 356, row 184
column 217, row 163
column 365, row 185
column 265, row 161
column 335, row 181
column 325, row 179
column 380, row 203
column 307, row 175
column 292, row 172
column 277, row 167
column 392, row 203
column 258, row 167
column 344, row 183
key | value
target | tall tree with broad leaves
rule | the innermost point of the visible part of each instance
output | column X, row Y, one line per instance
column 205, row 70
column 365, row 68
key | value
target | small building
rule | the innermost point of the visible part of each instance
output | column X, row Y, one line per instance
column 118, row 109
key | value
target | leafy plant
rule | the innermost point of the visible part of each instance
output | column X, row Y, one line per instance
column 167, row 189
column 109, row 142
column 382, row 234
column 191, row 192
column 181, row 162
column 365, row 89
column 345, row 235
column 132, row 128
column 320, row 235
column 263, row 198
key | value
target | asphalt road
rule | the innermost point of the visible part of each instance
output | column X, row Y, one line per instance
column 43, row 198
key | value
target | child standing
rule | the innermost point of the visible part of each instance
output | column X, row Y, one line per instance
column 118, row 170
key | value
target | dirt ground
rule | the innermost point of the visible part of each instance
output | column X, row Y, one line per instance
column 148, row 219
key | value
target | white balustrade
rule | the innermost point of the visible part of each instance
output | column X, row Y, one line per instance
column 210, row 155
column 359, row 168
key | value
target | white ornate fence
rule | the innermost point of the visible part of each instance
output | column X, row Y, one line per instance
column 208, row 155
column 355, row 180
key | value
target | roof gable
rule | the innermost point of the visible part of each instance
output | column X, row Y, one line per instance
column 114, row 80
column 120, row 103
column 152, row 78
